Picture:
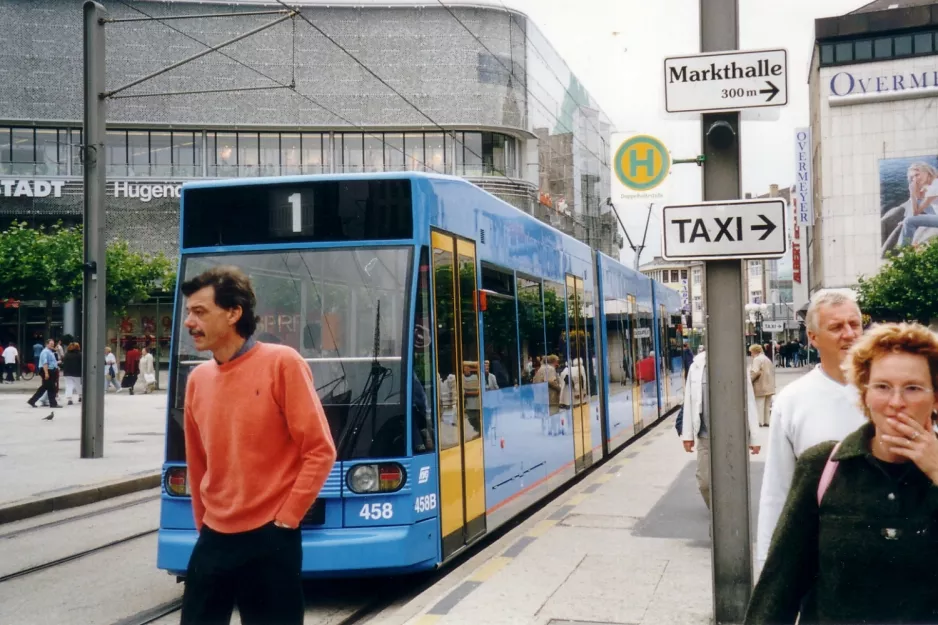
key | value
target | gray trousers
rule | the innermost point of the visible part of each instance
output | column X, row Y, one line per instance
column 703, row 469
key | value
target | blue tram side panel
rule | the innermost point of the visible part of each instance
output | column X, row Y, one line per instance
column 528, row 445
column 669, row 342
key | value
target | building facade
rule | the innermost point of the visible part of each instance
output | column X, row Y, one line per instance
column 874, row 125
column 480, row 94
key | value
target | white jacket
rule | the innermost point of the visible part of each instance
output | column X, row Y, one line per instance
column 693, row 400
column 809, row 411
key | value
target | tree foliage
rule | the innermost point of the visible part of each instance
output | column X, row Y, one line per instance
column 904, row 289
column 40, row 264
column 46, row 264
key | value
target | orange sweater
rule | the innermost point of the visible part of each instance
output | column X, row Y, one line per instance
column 258, row 444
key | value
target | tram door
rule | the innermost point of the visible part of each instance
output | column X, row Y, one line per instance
column 459, row 375
column 636, row 355
column 578, row 365
column 664, row 362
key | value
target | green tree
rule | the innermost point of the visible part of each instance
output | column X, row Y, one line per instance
column 132, row 276
column 40, row 264
column 903, row 290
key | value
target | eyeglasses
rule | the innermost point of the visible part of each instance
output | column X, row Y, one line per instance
column 909, row 393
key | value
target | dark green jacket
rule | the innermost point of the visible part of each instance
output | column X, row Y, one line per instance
column 868, row 555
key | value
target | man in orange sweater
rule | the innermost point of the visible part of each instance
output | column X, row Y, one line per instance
column 258, row 449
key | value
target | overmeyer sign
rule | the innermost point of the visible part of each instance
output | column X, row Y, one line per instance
column 724, row 230
column 726, row 81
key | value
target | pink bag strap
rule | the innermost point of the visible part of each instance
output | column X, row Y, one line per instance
column 827, row 475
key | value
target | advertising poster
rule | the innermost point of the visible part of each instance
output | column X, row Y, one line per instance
column 908, row 191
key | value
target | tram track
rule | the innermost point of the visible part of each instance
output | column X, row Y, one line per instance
column 79, row 517
column 75, row 556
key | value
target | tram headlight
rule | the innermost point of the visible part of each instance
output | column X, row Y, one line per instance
column 375, row 478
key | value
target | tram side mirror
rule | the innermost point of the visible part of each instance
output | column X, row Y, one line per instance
column 721, row 135
column 483, row 302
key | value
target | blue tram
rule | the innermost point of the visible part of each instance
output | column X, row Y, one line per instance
column 469, row 358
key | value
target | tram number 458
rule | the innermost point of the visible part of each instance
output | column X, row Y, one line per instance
column 377, row 511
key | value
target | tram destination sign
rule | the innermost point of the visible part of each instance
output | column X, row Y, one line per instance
column 724, row 230
column 726, row 81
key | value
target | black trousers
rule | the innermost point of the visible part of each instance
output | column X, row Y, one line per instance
column 48, row 386
column 10, row 369
column 259, row 571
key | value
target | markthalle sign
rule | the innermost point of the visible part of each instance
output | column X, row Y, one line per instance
column 726, row 81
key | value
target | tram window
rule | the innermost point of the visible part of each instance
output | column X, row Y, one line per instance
column 447, row 366
column 471, row 381
column 531, row 321
column 422, row 422
column 588, row 313
column 330, row 210
column 620, row 356
column 500, row 326
column 555, row 319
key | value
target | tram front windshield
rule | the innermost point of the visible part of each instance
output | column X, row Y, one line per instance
column 343, row 310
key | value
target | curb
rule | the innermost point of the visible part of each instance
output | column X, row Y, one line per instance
column 80, row 497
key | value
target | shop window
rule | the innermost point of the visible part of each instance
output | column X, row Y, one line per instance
column 902, row 45
column 5, row 146
column 863, row 50
column 435, row 155
column 499, row 327
column 138, row 153
column 394, row 152
column 313, row 157
column 50, row 151
column 290, row 154
column 116, row 148
column 248, row 156
column 827, row 54
column 843, row 52
column 924, row 43
column 225, row 153
column 472, row 153
column 882, row 48
column 674, row 276
column 683, row 274
column 185, row 162
column 374, row 152
column 353, row 152
column 413, row 150
column 161, row 153
column 269, row 154
column 531, row 327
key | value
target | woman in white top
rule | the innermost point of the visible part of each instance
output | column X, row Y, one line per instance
column 147, row 370
column 110, row 371
column 923, row 193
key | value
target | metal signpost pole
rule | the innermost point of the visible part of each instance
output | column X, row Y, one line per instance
column 729, row 436
column 93, row 294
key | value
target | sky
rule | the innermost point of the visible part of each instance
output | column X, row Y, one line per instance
column 617, row 49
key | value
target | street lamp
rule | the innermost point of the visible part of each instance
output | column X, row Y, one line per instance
column 756, row 313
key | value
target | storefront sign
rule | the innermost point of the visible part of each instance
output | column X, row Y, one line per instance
column 146, row 192
column 803, row 190
column 796, row 262
column 845, row 83
column 31, row 188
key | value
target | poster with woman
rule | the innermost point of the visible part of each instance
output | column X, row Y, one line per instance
column 908, row 190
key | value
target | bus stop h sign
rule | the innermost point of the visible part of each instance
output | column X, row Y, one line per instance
column 642, row 163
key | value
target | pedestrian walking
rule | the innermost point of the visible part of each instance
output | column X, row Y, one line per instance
column 131, row 367
column 820, row 406
column 259, row 450
column 696, row 422
column 762, row 374
column 11, row 359
column 110, row 371
column 49, row 372
column 855, row 542
column 147, row 370
column 71, row 370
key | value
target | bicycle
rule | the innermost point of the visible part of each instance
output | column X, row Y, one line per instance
column 27, row 371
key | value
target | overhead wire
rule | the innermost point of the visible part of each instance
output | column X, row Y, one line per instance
column 291, row 87
column 388, row 85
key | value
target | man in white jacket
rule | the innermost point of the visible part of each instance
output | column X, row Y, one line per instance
column 820, row 406
column 696, row 426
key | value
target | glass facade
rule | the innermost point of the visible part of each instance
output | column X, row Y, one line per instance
column 180, row 154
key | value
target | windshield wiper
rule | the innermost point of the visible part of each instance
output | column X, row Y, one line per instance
column 367, row 402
